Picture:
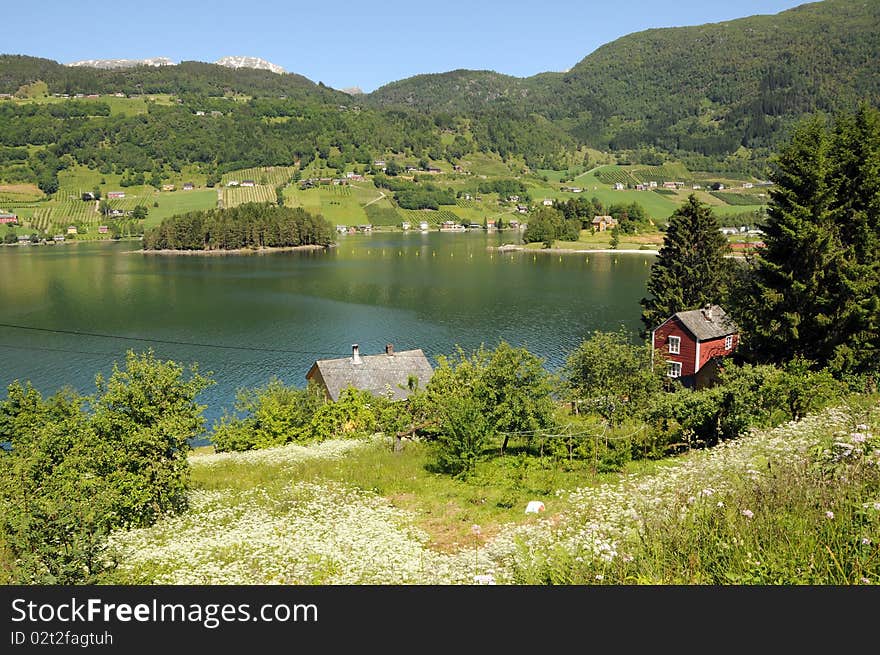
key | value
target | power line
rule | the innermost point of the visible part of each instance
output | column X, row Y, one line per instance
column 173, row 342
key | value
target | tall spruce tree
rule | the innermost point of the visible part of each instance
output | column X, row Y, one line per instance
column 691, row 269
column 814, row 285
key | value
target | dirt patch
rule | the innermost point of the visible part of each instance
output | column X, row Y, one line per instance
column 21, row 189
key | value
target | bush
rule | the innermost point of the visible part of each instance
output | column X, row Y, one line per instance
column 274, row 415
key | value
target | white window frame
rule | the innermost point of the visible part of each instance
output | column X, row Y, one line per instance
column 728, row 342
column 673, row 369
column 674, row 346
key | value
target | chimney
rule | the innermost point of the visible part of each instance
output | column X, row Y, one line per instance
column 355, row 355
column 707, row 312
column 389, row 349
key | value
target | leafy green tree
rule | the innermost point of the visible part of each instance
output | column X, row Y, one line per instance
column 77, row 467
column 139, row 212
column 691, row 269
column 508, row 386
column 615, row 239
column 611, row 376
column 146, row 413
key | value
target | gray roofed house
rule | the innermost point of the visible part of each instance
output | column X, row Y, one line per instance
column 710, row 322
column 388, row 372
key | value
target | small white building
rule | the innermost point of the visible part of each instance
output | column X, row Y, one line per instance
column 619, row 186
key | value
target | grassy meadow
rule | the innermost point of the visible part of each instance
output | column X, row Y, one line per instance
column 798, row 504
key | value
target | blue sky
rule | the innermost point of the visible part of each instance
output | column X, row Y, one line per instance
column 343, row 43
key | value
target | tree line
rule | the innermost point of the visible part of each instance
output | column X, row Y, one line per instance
column 250, row 225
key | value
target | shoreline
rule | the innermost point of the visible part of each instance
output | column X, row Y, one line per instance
column 233, row 251
column 573, row 251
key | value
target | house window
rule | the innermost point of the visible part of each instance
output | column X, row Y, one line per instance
column 673, row 369
column 728, row 342
column 674, row 345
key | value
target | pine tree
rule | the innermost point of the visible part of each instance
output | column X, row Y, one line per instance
column 691, row 269
column 814, row 286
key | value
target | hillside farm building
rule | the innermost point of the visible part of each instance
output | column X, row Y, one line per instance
column 692, row 342
column 391, row 373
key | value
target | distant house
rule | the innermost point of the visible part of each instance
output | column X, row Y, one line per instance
column 88, row 196
column 670, row 185
column 115, row 195
column 188, row 186
column 423, row 226
column 490, row 223
column 167, row 187
column 405, row 225
column 71, row 229
column 356, row 177
column 619, row 186
column 457, row 168
column 236, row 183
column 248, row 183
column 379, row 163
column 747, row 185
column 641, row 187
column 365, row 228
column 342, row 229
column 522, row 209
column 602, row 223
column 116, row 213
column 547, row 202
column 692, row 342
column 697, row 187
column 513, row 223
column 652, row 184
column 200, row 113
column 103, row 229
column 57, row 237
column 434, row 169
column 729, row 230
column 513, row 198
column 9, row 219
column 451, row 226
column 24, row 238
column 389, row 374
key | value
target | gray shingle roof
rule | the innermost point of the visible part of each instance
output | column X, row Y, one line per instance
column 705, row 326
column 377, row 374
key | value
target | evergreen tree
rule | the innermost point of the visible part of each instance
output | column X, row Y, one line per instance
column 691, row 269
column 814, row 285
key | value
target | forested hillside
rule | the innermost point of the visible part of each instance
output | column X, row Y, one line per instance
column 187, row 77
column 706, row 89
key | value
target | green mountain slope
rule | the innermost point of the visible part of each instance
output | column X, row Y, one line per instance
column 187, row 77
column 707, row 88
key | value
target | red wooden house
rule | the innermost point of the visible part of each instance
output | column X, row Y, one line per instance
column 692, row 342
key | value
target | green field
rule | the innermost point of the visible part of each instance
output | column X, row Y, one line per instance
column 179, row 202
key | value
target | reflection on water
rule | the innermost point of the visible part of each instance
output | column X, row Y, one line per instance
column 431, row 291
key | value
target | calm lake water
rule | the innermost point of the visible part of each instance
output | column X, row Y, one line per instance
column 433, row 291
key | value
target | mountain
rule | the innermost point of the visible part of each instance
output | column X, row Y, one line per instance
column 706, row 89
column 186, row 77
column 111, row 64
column 457, row 91
column 249, row 62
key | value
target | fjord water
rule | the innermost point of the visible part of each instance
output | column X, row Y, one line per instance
column 433, row 291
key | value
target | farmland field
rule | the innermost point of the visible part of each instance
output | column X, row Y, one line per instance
column 739, row 198
column 179, row 202
column 263, row 175
column 234, row 196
